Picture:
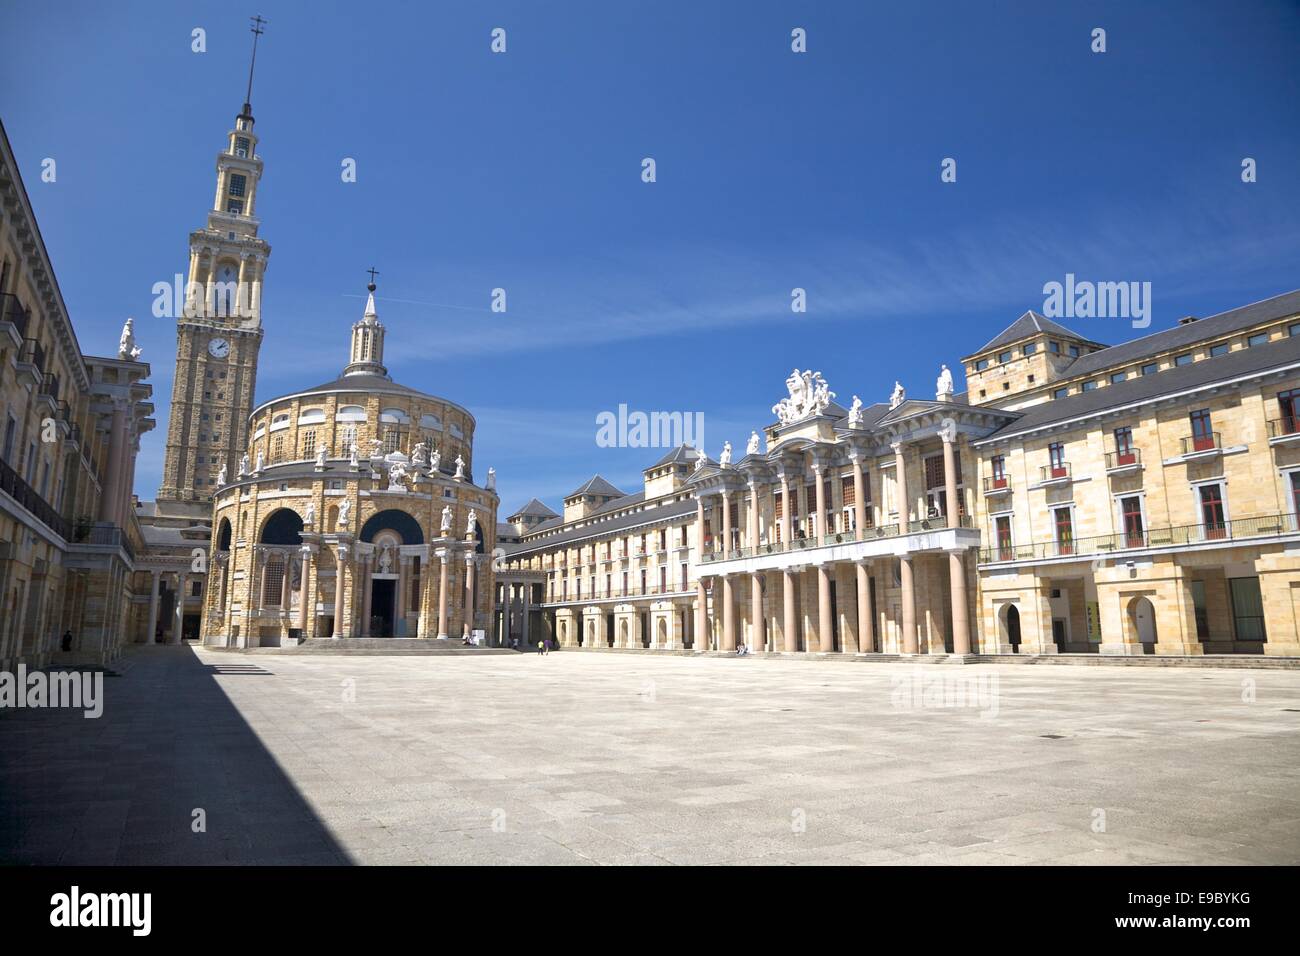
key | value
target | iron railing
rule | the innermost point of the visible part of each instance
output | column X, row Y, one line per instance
column 1198, row 443
column 1123, row 459
column 12, row 484
column 11, row 310
column 1256, row 526
column 1279, row 427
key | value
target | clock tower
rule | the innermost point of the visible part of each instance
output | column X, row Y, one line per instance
column 219, row 334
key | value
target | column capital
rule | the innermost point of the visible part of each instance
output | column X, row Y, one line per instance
column 898, row 446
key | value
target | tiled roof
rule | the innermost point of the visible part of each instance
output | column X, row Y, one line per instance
column 1029, row 324
column 595, row 485
column 599, row 529
column 535, row 508
column 682, row 454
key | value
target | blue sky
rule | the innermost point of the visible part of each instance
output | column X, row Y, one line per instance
column 775, row 170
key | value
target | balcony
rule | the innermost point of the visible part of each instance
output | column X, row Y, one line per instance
column 14, row 319
column 1057, row 473
column 1258, row 526
column 14, row 486
column 103, row 535
column 1201, row 446
column 873, row 541
column 1282, row 431
column 31, row 361
column 996, row 485
column 1123, row 462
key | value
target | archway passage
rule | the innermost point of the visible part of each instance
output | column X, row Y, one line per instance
column 1142, row 618
column 1011, row 622
column 383, row 597
column 223, row 535
column 399, row 522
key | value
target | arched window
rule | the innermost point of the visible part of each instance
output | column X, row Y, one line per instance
column 273, row 581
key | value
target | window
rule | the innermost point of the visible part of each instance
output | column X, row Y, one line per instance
column 1089, row 386
column 273, row 581
column 1064, row 525
column 1054, row 347
column 1150, row 368
column 1212, row 512
column 1061, row 393
column 981, row 365
column 1184, row 359
column 238, row 184
column 1288, row 405
column 1130, row 510
column 242, row 145
column 1124, row 453
column 1247, row 609
column 1002, row 533
column 1293, row 329
column 277, row 448
column 1259, row 338
column 1220, row 349
column 1202, row 435
column 347, row 438
column 1074, row 351
column 235, row 207
column 1004, row 358
column 1056, row 460
column 7, row 451
column 1295, row 492
column 307, row 446
column 1117, row 377
column 999, row 466
column 1029, row 349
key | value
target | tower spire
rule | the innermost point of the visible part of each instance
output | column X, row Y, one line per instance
column 367, row 353
column 256, row 29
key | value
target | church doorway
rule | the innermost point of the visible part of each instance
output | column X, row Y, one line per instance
column 383, row 594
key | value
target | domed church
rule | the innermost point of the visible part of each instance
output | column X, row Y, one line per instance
column 354, row 513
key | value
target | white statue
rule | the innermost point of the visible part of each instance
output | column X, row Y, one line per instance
column 491, row 480
column 261, row 462
column 809, row 396
column 345, row 509
column 221, row 476
column 725, row 458
column 321, row 452
column 420, row 455
column 898, row 395
column 446, row 519
column 243, row 466
column 701, row 459
column 376, row 448
column 460, row 467
column 353, row 458
column 752, row 447
column 386, row 560
column 309, row 516
column 126, row 347
column 435, row 460
column 943, row 387
column 855, row 411
column 948, row 430
column 397, row 476
column 471, row 526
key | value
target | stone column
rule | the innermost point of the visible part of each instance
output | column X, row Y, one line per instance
column 726, row 523
column 366, row 564
column 701, row 595
column 527, row 589
column 399, row 599
column 178, row 624
column 905, row 561
column 341, row 563
column 755, row 580
column 787, row 510
column 304, row 592
column 286, row 584
column 791, row 625
column 819, row 525
column 859, row 499
column 825, row 625
column 442, row 595
column 956, row 562
column 866, row 625
column 153, row 607
column 112, row 493
column 728, row 615
column 468, row 626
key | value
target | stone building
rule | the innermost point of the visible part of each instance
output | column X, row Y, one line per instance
column 314, row 538
column 70, row 427
column 1132, row 499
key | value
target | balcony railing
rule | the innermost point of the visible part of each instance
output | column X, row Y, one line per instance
column 104, row 535
column 870, row 533
column 1194, row 444
column 1258, row 526
column 31, row 353
column 14, row 486
column 1281, row 427
column 48, row 385
column 1055, row 472
column 996, row 484
column 11, row 310
column 1122, row 460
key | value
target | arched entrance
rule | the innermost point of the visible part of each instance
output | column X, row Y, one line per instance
column 1011, row 627
column 1142, row 620
column 390, row 573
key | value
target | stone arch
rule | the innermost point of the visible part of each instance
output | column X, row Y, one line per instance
column 284, row 526
column 223, row 535
column 1142, row 623
column 1009, row 626
column 395, row 520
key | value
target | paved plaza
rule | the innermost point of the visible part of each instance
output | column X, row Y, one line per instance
column 618, row 758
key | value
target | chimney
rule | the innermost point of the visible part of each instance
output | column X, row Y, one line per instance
column 1187, row 320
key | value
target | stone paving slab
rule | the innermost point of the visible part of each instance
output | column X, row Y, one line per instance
column 655, row 759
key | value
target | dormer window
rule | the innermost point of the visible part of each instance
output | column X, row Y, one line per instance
column 1004, row 358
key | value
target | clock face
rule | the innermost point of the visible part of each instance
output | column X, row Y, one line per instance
column 219, row 348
